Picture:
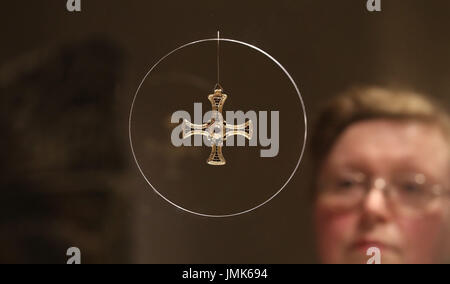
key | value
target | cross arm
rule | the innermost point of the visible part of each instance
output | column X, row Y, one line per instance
column 190, row 129
column 245, row 129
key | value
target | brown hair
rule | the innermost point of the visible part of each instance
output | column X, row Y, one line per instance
column 359, row 104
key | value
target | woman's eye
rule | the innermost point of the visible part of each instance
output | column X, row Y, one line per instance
column 346, row 184
column 411, row 188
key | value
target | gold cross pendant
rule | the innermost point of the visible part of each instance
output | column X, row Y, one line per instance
column 217, row 130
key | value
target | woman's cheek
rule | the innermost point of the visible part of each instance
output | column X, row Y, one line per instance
column 423, row 237
column 335, row 232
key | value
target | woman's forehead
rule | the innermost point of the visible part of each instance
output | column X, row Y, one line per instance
column 389, row 144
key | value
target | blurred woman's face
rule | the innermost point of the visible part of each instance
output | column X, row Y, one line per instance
column 385, row 184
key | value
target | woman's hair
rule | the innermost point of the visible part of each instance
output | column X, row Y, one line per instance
column 367, row 103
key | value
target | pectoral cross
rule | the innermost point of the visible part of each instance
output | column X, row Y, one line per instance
column 217, row 130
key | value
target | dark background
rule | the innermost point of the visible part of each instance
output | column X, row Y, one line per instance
column 67, row 81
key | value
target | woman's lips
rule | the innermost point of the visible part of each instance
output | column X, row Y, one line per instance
column 364, row 245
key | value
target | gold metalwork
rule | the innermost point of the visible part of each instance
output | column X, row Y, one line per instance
column 217, row 130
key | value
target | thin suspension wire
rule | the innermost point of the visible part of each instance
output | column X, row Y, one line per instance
column 218, row 61
column 218, row 57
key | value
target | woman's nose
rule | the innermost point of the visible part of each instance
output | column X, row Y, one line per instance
column 375, row 203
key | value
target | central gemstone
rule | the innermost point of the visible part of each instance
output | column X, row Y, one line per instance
column 216, row 134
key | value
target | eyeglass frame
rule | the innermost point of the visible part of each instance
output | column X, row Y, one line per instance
column 386, row 186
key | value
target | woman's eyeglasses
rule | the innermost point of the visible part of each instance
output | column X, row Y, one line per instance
column 410, row 191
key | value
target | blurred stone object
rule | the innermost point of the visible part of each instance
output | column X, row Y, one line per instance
column 60, row 150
